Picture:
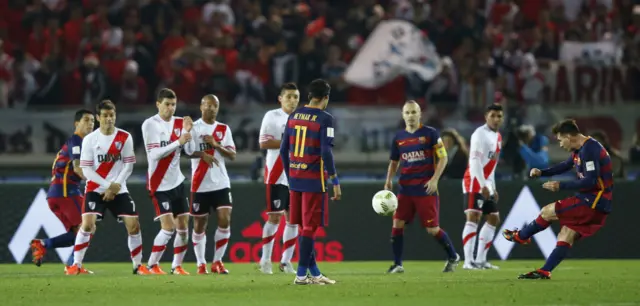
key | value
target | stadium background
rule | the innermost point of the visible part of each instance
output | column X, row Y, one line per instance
column 547, row 59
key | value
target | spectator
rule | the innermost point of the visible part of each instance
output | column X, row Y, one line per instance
column 458, row 154
column 617, row 162
column 533, row 147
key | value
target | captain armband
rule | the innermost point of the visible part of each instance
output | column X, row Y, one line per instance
column 441, row 152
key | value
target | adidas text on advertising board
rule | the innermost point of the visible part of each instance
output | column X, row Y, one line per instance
column 250, row 251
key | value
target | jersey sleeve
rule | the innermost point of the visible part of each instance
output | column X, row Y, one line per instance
column 327, row 134
column 267, row 129
column 86, row 153
column 591, row 160
column 149, row 136
column 128, row 154
column 437, row 145
column 75, row 146
column 476, row 153
column 395, row 151
column 227, row 141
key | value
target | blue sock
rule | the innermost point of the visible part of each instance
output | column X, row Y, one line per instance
column 533, row 228
column 70, row 260
column 444, row 240
column 397, row 244
column 313, row 265
column 556, row 257
column 62, row 241
column 306, row 247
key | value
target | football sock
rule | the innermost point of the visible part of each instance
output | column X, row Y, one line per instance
column 313, row 265
column 469, row 236
column 199, row 246
column 289, row 238
column 444, row 240
column 61, row 241
column 222, row 240
column 268, row 234
column 159, row 245
column 306, row 247
column 556, row 257
column 80, row 248
column 180, row 243
column 397, row 242
column 533, row 228
column 135, row 247
column 70, row 260
column 484, row 241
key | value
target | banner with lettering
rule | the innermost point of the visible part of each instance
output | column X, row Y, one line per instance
column 605, row 53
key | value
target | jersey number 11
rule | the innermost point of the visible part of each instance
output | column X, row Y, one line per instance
column 298, row 149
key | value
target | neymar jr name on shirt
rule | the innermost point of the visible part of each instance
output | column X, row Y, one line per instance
column 307, row 117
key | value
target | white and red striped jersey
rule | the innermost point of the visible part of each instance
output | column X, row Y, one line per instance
column 484, row 153
column 106, row 155
column 163, row 152
column 205, row 178
column 272, row 128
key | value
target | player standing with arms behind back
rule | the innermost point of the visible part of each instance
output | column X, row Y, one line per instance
column 271, row 131
column 306, row 154
column 64, row 196
column 480, row 193
column 581, row 215
column 417, row 146
column 164, row 135
column 210, row 184
column 107, row 160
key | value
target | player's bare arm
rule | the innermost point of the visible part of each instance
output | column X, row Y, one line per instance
column 77, row 169
column 270, row 144
column 207, row 158
column 391, row 173
column 441, row 153
column 226, row 152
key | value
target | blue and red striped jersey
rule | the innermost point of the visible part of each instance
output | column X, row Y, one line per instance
column 306, row 149
column 416, row 154
column 64, row 180
column 594, row 171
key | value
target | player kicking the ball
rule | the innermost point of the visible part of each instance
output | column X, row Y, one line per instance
column 480, row 193
column 581, row 215
column 414, row 149
column 210, row 184
column 107, row 160
column 164, row 135
column 275, row 180
column 306, row 155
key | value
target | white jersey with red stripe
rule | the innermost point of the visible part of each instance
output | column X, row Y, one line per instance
column 272, row 128
column 163, row 152
column 107, row 155
column 205, row 178
column 484, row 153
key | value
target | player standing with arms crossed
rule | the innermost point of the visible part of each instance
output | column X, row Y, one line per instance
column 210, row 184
column 306, row 155
column 107, row 160
column 64, row 196
column 164, row 135
column 480, row 193
column 271, row 131
column 417, row 146
column 581, row 215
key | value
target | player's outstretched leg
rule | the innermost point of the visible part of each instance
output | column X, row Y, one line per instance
column 452, row 257
column 268, row 237
column 180, row 245
column 222, row 240
column 485, row 239
column 541, row 223
column 397, row 246
column 135, row 244
column 566, row 238
column 163, row 237
column 289, row 239
column 39, row 247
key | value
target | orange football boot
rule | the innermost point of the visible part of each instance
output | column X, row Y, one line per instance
column 202, row 269
column 37, row 251
column 142, row 270
column 218, row 267
column 72, row 270
column 155, row 269
column 179, row 271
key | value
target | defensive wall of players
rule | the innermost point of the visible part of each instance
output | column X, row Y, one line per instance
column 355, row 232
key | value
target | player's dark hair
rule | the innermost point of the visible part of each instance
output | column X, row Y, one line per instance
column 288, row 86
column 79, row 114
column 566, row 127
column 319, row 89
column 494, row 107
column 106, row 105
column 165, row 93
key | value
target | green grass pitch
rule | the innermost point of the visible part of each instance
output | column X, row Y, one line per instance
column 575, row 282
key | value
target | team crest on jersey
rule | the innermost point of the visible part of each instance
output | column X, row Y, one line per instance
column 422, row 139
column 177, row 132
column 196, row 206
column 118, row 145
column 276, row 203
column 92, row 205
column 219, row 135
column 165, row 205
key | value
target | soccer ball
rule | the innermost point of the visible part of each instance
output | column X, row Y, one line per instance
column 384, row 203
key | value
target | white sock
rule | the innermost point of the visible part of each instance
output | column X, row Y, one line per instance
column 80, row 248
column 222, row 240
column 268, row 234
column 484, row 241
column 180, row 247
column 199, row 247
column 289, row 239
column 135, row 247
column 469, row 235
column 159, row 245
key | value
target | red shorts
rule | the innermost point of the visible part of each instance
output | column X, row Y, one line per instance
column 309, row 209
column 68, row 210
column 427, row 208
column 577, row 214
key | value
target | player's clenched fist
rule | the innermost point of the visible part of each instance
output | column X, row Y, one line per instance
column 184, row 138
column 187, row 123
column 535, row 172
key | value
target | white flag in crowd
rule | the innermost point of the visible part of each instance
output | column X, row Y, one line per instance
column 394, row 48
